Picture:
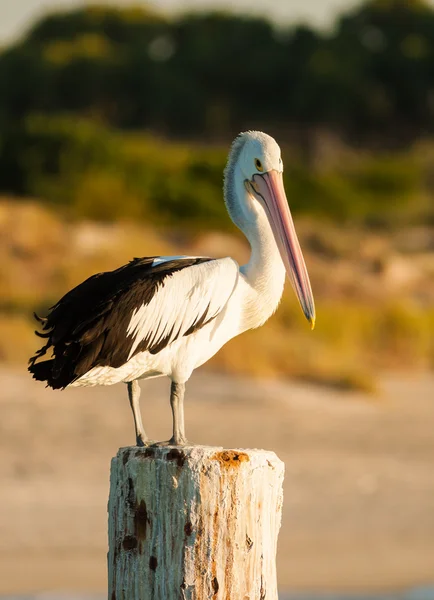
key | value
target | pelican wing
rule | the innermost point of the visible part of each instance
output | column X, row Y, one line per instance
column 186, row 301
column 143, row 306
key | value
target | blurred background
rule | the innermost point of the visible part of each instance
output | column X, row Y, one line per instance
column 115, row 123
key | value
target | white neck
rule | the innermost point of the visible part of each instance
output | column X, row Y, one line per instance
column 265, row 272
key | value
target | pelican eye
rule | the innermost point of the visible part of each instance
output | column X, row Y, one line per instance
column 258, row 165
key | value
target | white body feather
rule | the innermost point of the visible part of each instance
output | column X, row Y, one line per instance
column 238, row 299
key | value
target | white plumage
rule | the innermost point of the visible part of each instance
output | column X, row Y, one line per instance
column 200, row 291
column 169, row 315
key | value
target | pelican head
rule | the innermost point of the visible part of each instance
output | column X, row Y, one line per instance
column 254, row 189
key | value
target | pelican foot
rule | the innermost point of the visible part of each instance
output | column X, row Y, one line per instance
column 178, row 441
column 172, row 442
column 141, row 441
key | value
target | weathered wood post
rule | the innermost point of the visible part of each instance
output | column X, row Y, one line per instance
column 194, row 523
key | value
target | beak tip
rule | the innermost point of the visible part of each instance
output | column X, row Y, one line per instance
column 312, row 322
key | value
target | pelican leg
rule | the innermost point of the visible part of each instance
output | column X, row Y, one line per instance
column 134, row 396
column 177, row 403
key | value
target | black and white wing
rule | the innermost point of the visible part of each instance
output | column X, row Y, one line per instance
column 143, row 306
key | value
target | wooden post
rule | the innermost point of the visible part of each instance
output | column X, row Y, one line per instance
column 194, row 523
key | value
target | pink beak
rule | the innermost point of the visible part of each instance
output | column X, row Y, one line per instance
column 269, row 190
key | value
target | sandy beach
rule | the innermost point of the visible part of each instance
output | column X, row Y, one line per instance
column 359, row 486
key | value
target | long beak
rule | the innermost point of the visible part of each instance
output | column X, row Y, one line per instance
column 268, row 189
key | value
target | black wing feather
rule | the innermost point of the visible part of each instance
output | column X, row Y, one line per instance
column 87, row 327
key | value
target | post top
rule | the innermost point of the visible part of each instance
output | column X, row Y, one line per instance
column 226, row 457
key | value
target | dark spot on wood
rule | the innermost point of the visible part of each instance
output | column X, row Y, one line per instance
column 129, row 542
column 249, row 543
column 113, row 595
column 131, row 495
column 230, row 458
column 115, row 552
column 145, row 452
column 177, row 456
column 153, row 563
column 215, row 585
column 188, row 528
column 125, row 457
column 263, row 591
column 141, row 521
column 183, row 584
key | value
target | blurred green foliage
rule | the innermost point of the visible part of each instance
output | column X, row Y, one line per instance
column 104, row 174
column 95, row 172
column 370, row 78
column 79, row 91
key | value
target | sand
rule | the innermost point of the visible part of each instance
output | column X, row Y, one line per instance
column 359, row 487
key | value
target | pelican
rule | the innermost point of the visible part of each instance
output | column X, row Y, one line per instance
column 168, row 315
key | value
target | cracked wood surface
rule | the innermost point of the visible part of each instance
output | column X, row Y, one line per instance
column 194, row 523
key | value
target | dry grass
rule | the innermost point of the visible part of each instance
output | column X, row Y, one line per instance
column 351, row 344
column 374, row 295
